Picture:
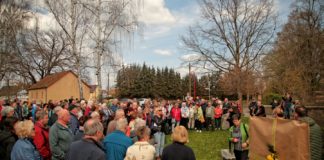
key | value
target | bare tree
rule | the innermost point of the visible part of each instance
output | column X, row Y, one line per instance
column 232, row 35
column 42, row 53
column 72, row 18
column 296, row 62
column 114, row 24
column 13, row 17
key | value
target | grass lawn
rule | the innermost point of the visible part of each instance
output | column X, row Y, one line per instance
column 207, row 145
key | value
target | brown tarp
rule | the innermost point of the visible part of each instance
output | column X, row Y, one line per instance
column 290, row 138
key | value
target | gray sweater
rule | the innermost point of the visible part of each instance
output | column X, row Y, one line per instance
column 60, row 138
column 210, row 111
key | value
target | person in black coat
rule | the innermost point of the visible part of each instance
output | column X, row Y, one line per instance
column 7, row 137
column 253, row 107
column 90, row 146
column 260, row 112
column 178, row 150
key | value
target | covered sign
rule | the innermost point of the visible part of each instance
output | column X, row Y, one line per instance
column 272, row 138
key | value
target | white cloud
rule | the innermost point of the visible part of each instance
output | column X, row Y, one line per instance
column 182, row 70
column 163, row 52
column 45, row 21
column 155, row 12
column 190, row 57
column 181, row 19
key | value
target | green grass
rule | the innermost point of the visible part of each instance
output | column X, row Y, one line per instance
column 208, row 144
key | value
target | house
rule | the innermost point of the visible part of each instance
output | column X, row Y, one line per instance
column 58, row 86
column 13, row 92
column 94, row 92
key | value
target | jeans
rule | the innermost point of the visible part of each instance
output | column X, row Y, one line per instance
column 175, row 123
column 241, row 155
column 209, row 123
column 217, row 123
column 191, row 123
column 287, row 112
column 198, row 124
column 159, row 138
column 184, row 122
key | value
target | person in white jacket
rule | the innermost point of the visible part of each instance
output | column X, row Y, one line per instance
column 191, row 124
column 184, row 115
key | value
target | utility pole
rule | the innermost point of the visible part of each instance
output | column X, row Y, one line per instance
column 108, row 85
column 209, row 86
column 189, row 79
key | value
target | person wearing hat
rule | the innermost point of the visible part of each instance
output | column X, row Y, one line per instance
column 74, row 122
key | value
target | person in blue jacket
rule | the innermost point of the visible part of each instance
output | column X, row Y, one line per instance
column 24, row 149
column 116, row 143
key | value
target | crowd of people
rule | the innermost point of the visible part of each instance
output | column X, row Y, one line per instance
column 71, row 128
column 79, row 129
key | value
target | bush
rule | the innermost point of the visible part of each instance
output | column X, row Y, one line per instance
column 267, row 99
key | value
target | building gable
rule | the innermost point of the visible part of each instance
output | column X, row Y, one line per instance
column 49, row 80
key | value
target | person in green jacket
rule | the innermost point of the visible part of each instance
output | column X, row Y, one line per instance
column 239, row 136
column 60, row 136
column 315, row 132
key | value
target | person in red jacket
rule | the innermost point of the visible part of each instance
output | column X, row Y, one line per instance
column 1, row 103
column 218, row 116
column 41, row 139
column 176, row 115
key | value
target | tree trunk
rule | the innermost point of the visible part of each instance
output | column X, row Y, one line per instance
column 74, row 49
column 99, row 52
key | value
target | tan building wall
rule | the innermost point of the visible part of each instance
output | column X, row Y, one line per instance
column 64, row 88
column 67, row 87
column 95, row 94
column 38, row 95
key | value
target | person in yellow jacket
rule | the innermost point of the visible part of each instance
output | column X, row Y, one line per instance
column 199, row 116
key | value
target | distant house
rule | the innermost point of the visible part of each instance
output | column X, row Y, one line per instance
column 13, row 92
column 58, row 86
column 94, row 92
column 112, row 92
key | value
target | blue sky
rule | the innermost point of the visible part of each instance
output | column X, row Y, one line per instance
column 160, row 44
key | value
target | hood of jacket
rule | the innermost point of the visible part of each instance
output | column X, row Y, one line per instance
column 4, row 135
column 308, row 120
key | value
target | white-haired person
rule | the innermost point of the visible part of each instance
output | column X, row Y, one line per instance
column 141, row 149
column 24, row 149
column 95, row 115
column 53, row 117
column 120, row 113
column 90, row 146
column 116, row 143
column 178, row 150
column 137, row 124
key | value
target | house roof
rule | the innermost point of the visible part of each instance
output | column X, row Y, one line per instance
column 51, row 79
column 9, row 90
